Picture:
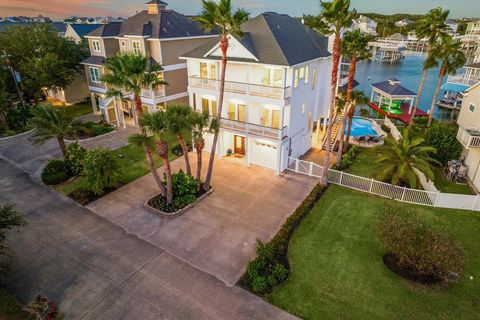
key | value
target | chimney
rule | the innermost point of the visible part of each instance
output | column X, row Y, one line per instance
column 156, row 6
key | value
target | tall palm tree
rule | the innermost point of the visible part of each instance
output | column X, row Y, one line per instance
column 451, row 57
column 220, row 17
column 432, row 26
column 131, row 73
column 156, row 124
column 397, row 160
column 202, row 124
column 147, row 143
column 357, row 97
column 179, row 125
column 51, row 123
column 354, row 47
column 334, row 18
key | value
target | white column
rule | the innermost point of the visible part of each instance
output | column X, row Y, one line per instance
column 411, row 106
column 94, row 102
column 116, row 111
column 123, row 114
column 390, row 105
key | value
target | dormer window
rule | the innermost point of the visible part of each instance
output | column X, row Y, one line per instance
column 136, row 47
column 96, row 45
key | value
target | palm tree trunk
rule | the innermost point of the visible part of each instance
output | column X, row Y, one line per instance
column 351, row 113
column 224, row 47
column 162, row 150
column 435, row 94
column 420, row 89
column 351, row 76
column 183, row 144
column 333, row 88
column 153, row 169
column 138, row 106
column 199, row 164
column 63, row 147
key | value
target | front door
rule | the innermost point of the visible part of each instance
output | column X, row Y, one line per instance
column 239, row 145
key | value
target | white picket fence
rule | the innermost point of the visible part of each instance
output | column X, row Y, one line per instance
column 372, row 186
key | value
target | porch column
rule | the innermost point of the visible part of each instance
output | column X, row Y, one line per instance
column 390, row 105
column 94, row 102
column 107, row 118
column 116, row 111
column 123, row 114
column 411, row 106
column 371, row 96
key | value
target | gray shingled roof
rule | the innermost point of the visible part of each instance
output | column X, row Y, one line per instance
column 275, row 39
column 394, row 89
column 94, row 60
column 106, row 30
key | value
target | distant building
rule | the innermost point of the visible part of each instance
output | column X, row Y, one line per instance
column 452, row 26
column 76, row 32
column 365, row 25
column 403, row 23
column 473, row 28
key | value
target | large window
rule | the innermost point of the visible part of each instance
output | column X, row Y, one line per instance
column 272, row 77
column 208, row 70
column 209, row 106
column 237, row 112
column 314, row 77
column 136, row 47
column 94, row 75
column 96, row 45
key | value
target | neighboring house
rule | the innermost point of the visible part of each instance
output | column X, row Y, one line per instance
column 277, row 89
column 469, row 132
column 403, row 23
column 365, row 25
column 452, row 26
column 473, row 28
column 160, row 34
column 77, row 32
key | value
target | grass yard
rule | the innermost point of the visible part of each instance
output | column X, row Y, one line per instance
column 10, row 308
column 447, row 186
column 364, row 164
column 75, row 110
column 338, row 273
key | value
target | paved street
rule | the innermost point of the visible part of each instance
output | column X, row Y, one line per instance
column 95, row 270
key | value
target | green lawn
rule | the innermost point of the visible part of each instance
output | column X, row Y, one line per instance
column 338, row 273
column 75, row 110
column 364, row 164
column 447, row 186
column 10, row 308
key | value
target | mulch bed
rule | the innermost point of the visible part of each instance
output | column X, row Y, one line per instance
column 409, row 273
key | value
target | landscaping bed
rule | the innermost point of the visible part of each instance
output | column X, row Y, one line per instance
column 337, row 269
column 158, row 204
column 90, row 129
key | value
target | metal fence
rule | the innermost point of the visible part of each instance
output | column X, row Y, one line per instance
column 372, row 186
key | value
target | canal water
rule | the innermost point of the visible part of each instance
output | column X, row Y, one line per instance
column 409, row 72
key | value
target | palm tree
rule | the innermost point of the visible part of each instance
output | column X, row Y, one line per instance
column 354, row 47
column 179, row 125
column 357, row 97
column 334, row 18
column 156, row 124
column 432, row 26
column 451, row 58
column 131, row 73
column 397, row 160
column 202, row 124
column 51, row 123
column 220, row 17
column 147, row 143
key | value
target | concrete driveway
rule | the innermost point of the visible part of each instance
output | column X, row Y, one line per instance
column 218, row 235
column 95, row 270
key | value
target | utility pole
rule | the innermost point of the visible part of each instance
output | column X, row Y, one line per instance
column 7, row 63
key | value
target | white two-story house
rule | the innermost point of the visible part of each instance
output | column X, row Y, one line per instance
column 158, row 33
column 276, row 89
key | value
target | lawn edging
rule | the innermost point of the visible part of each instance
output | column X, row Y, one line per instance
column 279, row 243
column 178, row 213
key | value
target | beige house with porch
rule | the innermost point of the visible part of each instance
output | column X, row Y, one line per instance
column 158, row 33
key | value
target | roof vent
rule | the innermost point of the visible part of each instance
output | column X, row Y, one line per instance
column 393, row 81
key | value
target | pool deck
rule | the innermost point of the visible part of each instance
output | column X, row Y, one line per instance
column 405, row 117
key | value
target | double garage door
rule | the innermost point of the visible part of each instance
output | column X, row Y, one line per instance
column 265, row 155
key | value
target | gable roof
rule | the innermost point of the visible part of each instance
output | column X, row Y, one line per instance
column 393, row 88
column 396, row 36
column 83, row 29
column 106, row 30
column 275, row 39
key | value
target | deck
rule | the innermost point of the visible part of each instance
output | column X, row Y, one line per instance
column 404, row 117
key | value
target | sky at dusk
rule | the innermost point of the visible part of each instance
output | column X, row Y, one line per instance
column 64, row 8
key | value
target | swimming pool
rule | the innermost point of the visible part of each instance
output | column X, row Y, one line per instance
column 361, row 127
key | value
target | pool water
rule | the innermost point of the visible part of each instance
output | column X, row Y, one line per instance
column 361, row 127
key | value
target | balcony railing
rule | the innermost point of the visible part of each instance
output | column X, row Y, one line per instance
column 463, row 79
column 150, row 94
column 255, row 129
column 469, row 138
column 243, row 88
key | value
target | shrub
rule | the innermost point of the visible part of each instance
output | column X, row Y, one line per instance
column 444, row 139
column 348, row 158
column 418, row 251
column 259, row 284
column 17, row 118
column 184, row 185
column 101, row 170
column 55, row 172
column 92, row 129
column 75, row 157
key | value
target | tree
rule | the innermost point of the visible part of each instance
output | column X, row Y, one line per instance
column 52, row 123
column 334, row 18
column 155, row 123
column 444, row 139
column 397, row 160
column 131, row 73
column 354, row 47
column 220, row 17
column 101, row 170
column 42, row 57
column 358, row 98
column 432, row 26
column 4, row 102
column 179, row 125
column 147, row 143
column 202, row 124
column 9, row 219
column 451, row 57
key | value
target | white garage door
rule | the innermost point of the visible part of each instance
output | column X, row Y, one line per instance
column 265, row 155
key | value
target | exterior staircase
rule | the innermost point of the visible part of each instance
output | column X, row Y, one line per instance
column 337, row 125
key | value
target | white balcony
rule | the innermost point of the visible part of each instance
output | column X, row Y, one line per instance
column 254, row 129
column 469, row 137
column 464, row 79
column 243, row 88
column 150, row 94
